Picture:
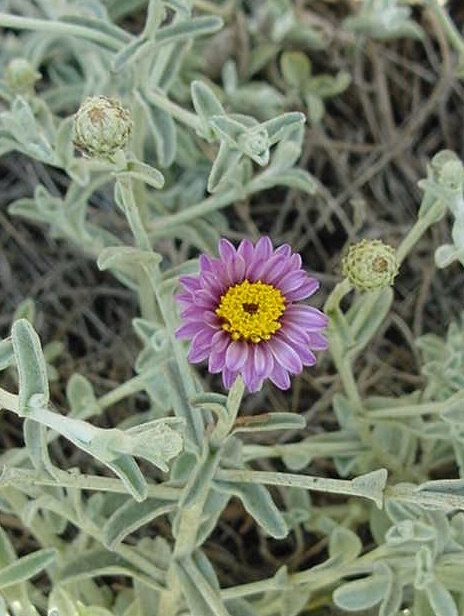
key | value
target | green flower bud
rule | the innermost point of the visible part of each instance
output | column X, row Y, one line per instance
column 21, row 76
column 101, row 127
column 370, row 265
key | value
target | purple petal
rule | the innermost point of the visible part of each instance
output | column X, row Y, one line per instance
column 246, row 250
column 226, row 250
column 237, row 269
column 252, row 380
column 217, row 356
column 236, row 355
column 263, row 248
column 284, row 250
column 228, row 378
column 273, row 269
column 201, row 345
column 183, row 298
column 305, row 354
column 292, row 281
column 192, row 311
column 214, row 284
column 294, row 334
column 280, row 377
column 189, row 329
column 263, row 359
column 295, row 261
column 305, row 290
column 191, row 283
column 285, row 355
column 308, row 317
column 205, row 263
column 318, row 342
column 254, row 269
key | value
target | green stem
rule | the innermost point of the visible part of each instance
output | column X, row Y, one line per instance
column 338, row 293
column 415, row 410
column 226, row 423
column 158, row 98
column 132, row 386
column 154, row 276
column 369, row 486
column 211, row 204
column 132, row 213
column 316, row 579
column 306, row 448
column 452, row 33
column 416, row 232
column 18, row 477
column 9, row 401
column 17, row 22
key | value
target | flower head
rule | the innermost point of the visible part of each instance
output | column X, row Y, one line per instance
column 241, row 313
column 370, row 265
column 101, row 127
column 21, row 76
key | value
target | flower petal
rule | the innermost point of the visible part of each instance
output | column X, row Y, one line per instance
column 246, row 250
column 280, row 377
column 236, row 355
column 226, row 250
column 228, row 377
column 217, row 357
column 307, row 317
column 189, row 329
column 285, row 355
column 201, row 345
column 263, row 247
column 318, row 342
column 307, row 288
column 263, row 359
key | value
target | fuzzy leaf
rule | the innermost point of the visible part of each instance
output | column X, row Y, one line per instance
column 362, row 594
column 26, row 567
column 31, row 365
column 131, row 516
column 259, row 504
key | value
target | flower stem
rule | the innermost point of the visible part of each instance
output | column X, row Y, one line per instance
column 158, row 98
column 211, row 204
column 449, row 28
column 132, row 214
column 416, row 232
column 369, row 486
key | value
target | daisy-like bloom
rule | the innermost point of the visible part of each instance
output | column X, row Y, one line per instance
column 241, row 313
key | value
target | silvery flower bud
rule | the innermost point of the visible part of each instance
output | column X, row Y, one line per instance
column 101, row 127
column 21, row 76
column 370, row 265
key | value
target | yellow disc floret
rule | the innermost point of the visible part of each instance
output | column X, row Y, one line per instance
column 251, row 310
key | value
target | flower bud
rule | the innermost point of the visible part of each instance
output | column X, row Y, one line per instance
column 101, row 127
column 370, row 265
column 21, row 76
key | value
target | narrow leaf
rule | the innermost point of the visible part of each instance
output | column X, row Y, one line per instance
column 259, row 504
column 26, row 567
column 35, row 438
column 131, row 516
column 197, row 26
column 201, row 598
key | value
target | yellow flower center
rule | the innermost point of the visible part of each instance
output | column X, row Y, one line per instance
column 251, row 310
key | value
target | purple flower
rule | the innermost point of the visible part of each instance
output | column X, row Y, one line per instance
column 240, row 313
